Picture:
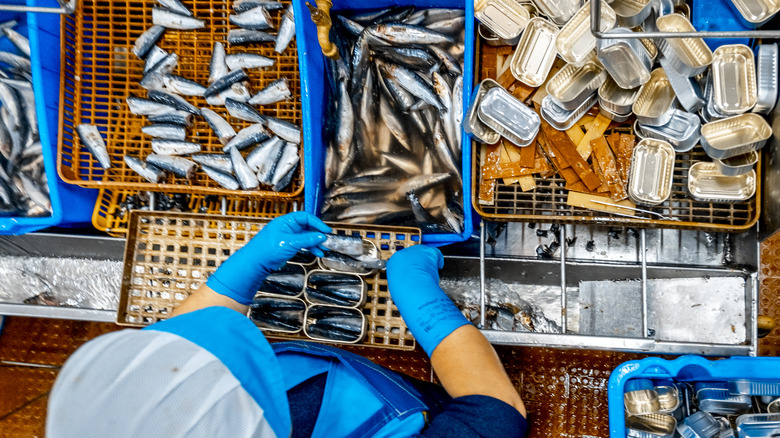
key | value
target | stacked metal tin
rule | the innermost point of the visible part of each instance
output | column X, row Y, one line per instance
column 680, row 92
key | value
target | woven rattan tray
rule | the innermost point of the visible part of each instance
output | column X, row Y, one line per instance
column 168, row 255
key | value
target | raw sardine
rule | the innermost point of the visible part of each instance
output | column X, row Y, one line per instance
column 245, row 5
column 226, row 82
column 148, row 40
column 175, row 147
column 220, row 126
column 90, row 137
column 237, row 37
column 253, row 19
column 246, row 178
column 276, row 91
column 284, row 129
column 183, row 86
column 172, row 20
column 262, row 153
column 176, row 165
column 237, row 61
column 247, row 137
column 349, row 245
column 226, row 180
column 286, row 31
column 243, row 111
column 173, row 101
column 217, row 66
column 166, row 131
column 145, row 107
column 18, row 40
column 147, row 171
column 221, row 162
column 175, row 6
column 287, row 162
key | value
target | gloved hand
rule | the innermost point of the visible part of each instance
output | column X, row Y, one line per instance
column 413, row 281
column 242, row 274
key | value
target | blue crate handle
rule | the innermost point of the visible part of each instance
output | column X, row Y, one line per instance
column 65, row 8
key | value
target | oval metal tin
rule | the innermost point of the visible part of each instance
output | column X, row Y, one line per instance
column 626, row 60
column 767, row 70
column 641, row 402
column 655, row 102
column 559, row 11
column 471, row 124
column 687, row 56
column 617, row 100
column 505, row 18
column 575, row 39
column 369, row 249
column 734, row 136
column 707, row 184
column 560, row 118
column 682, row 131
column 316, row 272
column 739, row 165
column 262, row 325
column 651, row 426
column 755, row 13
column 686, row 88
column 535, row 53
column 652, row 169
column 734, row 89
column 311, row 319
column 506, row 115
column 631, row 13
column 572, row 85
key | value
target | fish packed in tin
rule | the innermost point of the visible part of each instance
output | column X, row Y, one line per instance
column 396, row 101
column 288, row 280
column 335, row 324
column 335, row 288
column 277, row 313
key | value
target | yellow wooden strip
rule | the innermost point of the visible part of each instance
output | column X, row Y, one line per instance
column 527, row 183
column 586, row 121
column 600, row 125
column 542, row 91
column 585, row 200
column 513, row 152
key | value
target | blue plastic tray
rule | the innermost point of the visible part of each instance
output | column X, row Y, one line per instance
column 683, row 369
column 718, row 15
column 313, row 92
column 71, row 205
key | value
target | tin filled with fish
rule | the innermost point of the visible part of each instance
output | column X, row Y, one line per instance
column 335, row 324
column 277, row 313
column 363, row 264
column 335, row 288
column 288, row 280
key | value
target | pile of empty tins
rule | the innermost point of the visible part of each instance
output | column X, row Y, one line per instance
column 680, row 92
column 735, row 408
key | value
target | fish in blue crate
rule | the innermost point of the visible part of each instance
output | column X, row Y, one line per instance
column 394, row 119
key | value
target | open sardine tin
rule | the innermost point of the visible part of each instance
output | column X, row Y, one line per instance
column 265, row 325
column 575, row 40
column 758, row 425
column 719, row 401
column 472, row 124
column 505, row 18
column 687, row 56
column 707, row 184
column 651, row 426
column 687, row 89
column 617, row 100
column 316, row 312
column 682, row 131
column 652, row 169
column 560, row 118
column 755, row 13
column 739, row 165
column 734, row 89
column 572, row 85
column 312, row 275
column 641, row 402
column 734, row 136
column 369, row 249
column 275, row 289
column 655, row 103
column 767, row 71
column 631, row 13
column 535, row 53
column 511, row 118
column 626, row 60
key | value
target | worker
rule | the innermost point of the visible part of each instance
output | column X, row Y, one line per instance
column 209, row 372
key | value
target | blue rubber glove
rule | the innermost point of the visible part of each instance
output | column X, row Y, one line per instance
column 413, row 281
column 242, row 274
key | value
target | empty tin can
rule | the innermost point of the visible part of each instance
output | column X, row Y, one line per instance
column 669, row 397
column 686, row 88
column 707, row 184
column 755, row 387
column 626, row 60
column 631, row 13
column 535, row 53
column 733, row 79
column 652, row 169
column 559, row 11
column 687, row 56
column 682, row 131
column 650, row 426
column 641, row 402
column 708, row 112
column 699, row 425
column 472, row 124
column 655, row 102
column 505, row 18
column 575, row 39
column 718, row 401
column 735, row 135
column 758, row 425
column 766, row 78
column 573, row 85
column 659, row 8
column 489, row 37
column 755, row 13
column 506, row 115
column 616, row 100
column 738, row 165
column 560, row 118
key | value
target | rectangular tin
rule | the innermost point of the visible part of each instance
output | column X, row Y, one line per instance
column 708, row 112
column 687, row 56
column 572, row 85
column 719, row 401
column 559, row 11
column 641, row 402
column 471, row 124
column 669, row 397
column 314, row 300
column 489, row 37
column 707, row 184
column 738, row 165
column 311, row 318
column 563, row 119
column 766, row 78
column 575, row 39
column 652, row 169
column 735, row 135
column 626, row 60
column 617, row 100
column 686, row 88
column 631, row 13
column 755, row 13
column 369, row 249
column 287, row 268
column 269, row 328
column 535, row 53
column 505, row 18
column 650, row 426
column 682, row 131
column 506, row 115
column 758, row 425
column 734, row 89
column 755, row 387
column 699, row 425
column 617, row 118
column 654, row 104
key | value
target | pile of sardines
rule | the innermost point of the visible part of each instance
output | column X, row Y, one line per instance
column 681, row 93
column 266, row 153
column 320, row 297
column 396, row 96
column 704, row 409
column 24, row 190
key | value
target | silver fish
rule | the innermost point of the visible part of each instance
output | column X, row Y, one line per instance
column 176, row 165
column 147, row 171
column 286, row 31
column 226, row 180
column 276, row 91
column 449, row 61
column 454, row 218
column 245, row 5
column 220, row 126
column 349, row 245
column 412, row 83
column 226, row 82
column 173, row 101
column 153, row 81
column 393, row 123
column 145, row 107
column 370, row 209
column 27, row 98
column 352, row 27
column 237, row 61
column 243, row 111
column 221, row 162
column 18, row 40
column 443, row 150
column 265, row 171
column 35, row 192
column 175, row 6
column 155, row 55
column 217, row 66
column 400, row 97
column 246, row 178
column 166, row 131
column 238, row 92
column 15, row 61
column 433, row 15
column 403, row 34
column 165, row 66
column 253, row 19
column 346, row 124
column 285, row 180
column 450, row 26
column 90, row 137
column 419, row 183
column 237, row 37
column 175, row 147
column 173, row 117
column 247, row 137
column 144, row 44
column 444, row 93
column 419, row 211
column 183, row 86
column 262, row 152
column 409, row 57
column 404, row 164
column 287, row 162
column 172, row 20
column 284, row 129
column 457, row 114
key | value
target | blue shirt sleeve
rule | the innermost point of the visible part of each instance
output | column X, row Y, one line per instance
column 477, row 416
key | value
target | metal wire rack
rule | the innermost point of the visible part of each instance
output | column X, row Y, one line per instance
column 99, row 71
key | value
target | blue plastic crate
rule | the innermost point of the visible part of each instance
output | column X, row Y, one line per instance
column 683, row 369
column 313, row 83
column 718, row 15
column 71, row 205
